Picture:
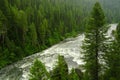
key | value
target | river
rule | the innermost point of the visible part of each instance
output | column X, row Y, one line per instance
column 69, row 48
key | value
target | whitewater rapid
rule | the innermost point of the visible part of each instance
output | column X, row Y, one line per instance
column 69, row 48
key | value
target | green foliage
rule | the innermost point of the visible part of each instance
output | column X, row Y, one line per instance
column 110, row 7
column 33, row 34
column 113, row 58
column 73, row 75
column 38, row 71
column 60, row 72
column 43, row 31
column 94, row 42
column 86, row 76
column 29, row 26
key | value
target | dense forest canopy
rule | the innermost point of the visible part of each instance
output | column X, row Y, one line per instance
column 110, row 7
column 29, row 26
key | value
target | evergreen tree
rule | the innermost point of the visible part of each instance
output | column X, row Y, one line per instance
column 43, row 30
column 94, row 42
column 33, row 34
column 60, row 72
column 113, row 58
column 4, row 6
column 22, row 25
column 73, row 75
column 3, row 28
column 38, row 71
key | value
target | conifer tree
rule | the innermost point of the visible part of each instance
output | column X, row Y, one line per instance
column 3, row 28
column 38, row 71
column 43, row 31
column 22, row 21
column 73, row 75
column 94, row 42
column 33, row 34
column 60, row 72
column 4, row 6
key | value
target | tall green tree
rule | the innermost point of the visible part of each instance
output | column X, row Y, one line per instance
column 22, row 25
column 5, row 7
column 33, row 34
column 94, row 42
column 73, row 75
column 3, row 28
column 43, row 30
column 38, row 71
column 60, row 72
